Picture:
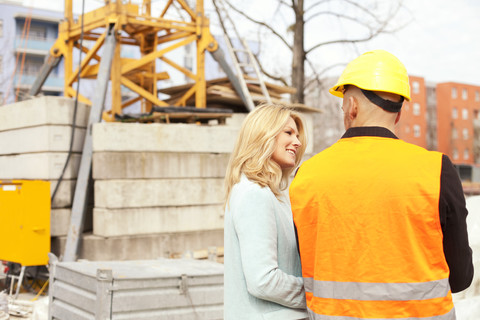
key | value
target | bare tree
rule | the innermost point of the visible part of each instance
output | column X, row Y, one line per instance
column 318, row 21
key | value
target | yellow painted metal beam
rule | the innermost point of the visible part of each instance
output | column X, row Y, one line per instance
column 173, row 36
column 161, row 24
column 131, row 101
column 189, row 10
column 90, row 71
column 164, row 11
column 90, row 54
column 68, row 11
column 154, row 55
column 72, row 93
column 185, row 71
column 147, row 95
column 182, row 101
column 86, row 50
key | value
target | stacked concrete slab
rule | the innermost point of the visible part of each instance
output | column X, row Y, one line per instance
column 158, row 188
column 34, row 144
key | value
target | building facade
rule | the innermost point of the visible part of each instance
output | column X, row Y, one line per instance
column 412, row 126
column 458, row 105
column 443, row 117
column 26, row 36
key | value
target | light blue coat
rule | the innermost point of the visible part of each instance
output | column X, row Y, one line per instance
column 262, row 265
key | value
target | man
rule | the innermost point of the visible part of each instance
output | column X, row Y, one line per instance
column 381, row 223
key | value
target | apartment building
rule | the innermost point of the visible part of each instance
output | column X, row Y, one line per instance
column 458, row 105
column 412, row 126
column 26, row 36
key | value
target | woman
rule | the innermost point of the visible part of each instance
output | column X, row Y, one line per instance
column 262, row 265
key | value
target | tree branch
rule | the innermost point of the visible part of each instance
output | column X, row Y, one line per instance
column 316, row 77
column 370, row 37
column 261, row 23
column 338, row 15
column 380, row 29
column 365, row 10
column 263, row 70
column 318, row 3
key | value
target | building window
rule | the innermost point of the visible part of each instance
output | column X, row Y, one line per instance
column 1, row 28
column 407, row 129
column 454, row 113
column 415, row 87
column 416, row 109
column 464, row 94
column 455, row 154
column 466, row 154
column 454, row 133
column 33, row 64
column 454, row 93
column 37, row 32
column 1, row 98
column 416, row 131
column 464, row 113
column 465, row 134
column 477, row 96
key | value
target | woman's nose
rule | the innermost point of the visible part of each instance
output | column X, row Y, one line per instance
column 296, row 142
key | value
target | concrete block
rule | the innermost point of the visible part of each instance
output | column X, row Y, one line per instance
column 60, row 221
column 156, row 193
column 42, row 166
column 41, row 139
column 236, row 120
column 137, row 221
column 45, row 110
column 134, row 137
column 153, row 165
column 96, row 248
column 64, row 196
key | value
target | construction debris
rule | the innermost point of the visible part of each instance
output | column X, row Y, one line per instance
column 221, row 94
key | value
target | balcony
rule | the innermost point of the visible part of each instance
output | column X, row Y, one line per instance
column 53, row 83
column 34, row 45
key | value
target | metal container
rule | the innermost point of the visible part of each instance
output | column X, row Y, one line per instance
column 173, row 289
column 25, row 221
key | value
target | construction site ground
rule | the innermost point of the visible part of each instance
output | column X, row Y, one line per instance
column 27, row 306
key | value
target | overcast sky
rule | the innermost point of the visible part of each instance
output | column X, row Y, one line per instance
column 441, row 44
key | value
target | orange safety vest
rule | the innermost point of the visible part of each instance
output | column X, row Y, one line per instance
column 370, row 239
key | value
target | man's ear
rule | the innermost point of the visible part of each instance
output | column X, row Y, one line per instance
column 353, row 110
column 397, row 118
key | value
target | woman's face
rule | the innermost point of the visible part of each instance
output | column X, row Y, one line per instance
column 287, row 144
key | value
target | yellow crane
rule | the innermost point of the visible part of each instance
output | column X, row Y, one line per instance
column 123, row 23
column 132, row 25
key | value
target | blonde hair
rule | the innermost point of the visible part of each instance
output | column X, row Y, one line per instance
column 256, row 142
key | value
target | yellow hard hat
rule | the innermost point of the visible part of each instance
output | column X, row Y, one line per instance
column 376, row 70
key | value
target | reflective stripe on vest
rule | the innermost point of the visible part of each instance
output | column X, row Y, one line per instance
column 313, row 316
column 370, row 239
column 377, row 291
